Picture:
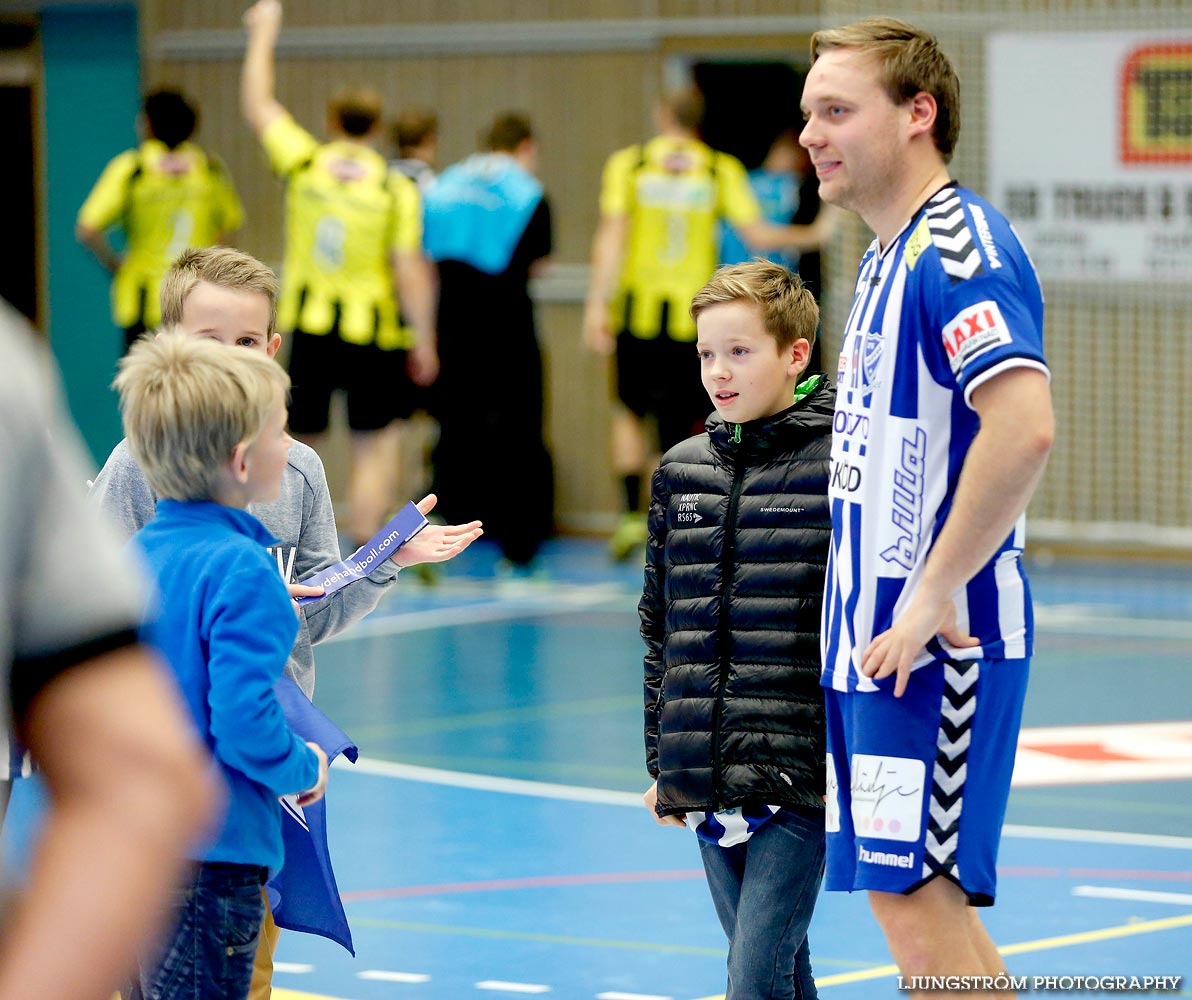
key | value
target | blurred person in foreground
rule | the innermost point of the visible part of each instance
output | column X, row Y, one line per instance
column 72, row 676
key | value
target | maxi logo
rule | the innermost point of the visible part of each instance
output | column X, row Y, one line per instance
column 972, row 332
column 906, row 510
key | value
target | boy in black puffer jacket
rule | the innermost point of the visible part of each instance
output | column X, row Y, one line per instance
column 738, row 540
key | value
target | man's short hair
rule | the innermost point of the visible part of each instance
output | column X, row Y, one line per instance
column 412, row 128
column 507, row 132
column 686, row 107
column 789, row 312
column 187, row 402
column 910, row 62
column 356, row 110
column 221, row 266
column 172, row 119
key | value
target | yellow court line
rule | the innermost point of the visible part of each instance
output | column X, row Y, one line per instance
column 1042, row 944
column 295, row 995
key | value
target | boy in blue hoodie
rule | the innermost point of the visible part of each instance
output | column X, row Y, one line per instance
column 208, row 428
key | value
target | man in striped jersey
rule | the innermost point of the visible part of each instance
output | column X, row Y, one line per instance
column 941, row 431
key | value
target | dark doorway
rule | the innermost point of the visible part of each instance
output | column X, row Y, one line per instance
column 18, row 278
column 747, row 105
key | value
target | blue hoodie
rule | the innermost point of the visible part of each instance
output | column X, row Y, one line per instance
column 225, row 626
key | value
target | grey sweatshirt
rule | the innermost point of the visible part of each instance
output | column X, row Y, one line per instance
column 301, row 519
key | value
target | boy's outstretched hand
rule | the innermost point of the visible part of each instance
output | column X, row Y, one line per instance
column 314, row 793
column 436, row 542
column 650, row 798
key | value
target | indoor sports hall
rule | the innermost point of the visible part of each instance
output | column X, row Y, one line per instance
column 491, row 840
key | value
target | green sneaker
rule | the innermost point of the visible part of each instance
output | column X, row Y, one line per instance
column 629, row 536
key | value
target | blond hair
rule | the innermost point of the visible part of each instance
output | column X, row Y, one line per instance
column 789, row 312
column 187, row 402
column 220, row 266
column 910, row 62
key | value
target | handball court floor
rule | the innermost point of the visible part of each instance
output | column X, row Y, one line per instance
column 491, row 841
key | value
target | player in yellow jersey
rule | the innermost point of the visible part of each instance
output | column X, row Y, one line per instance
column 655, row 247
column 166, row 195
column 357, row 294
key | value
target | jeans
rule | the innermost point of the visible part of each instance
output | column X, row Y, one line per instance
column 765, row 891
column 210, row 954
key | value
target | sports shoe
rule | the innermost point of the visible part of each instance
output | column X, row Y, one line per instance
column 629, row 536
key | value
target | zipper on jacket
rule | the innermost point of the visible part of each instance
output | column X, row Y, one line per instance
column 723, row 638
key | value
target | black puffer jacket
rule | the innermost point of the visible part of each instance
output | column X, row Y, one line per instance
column 739, row 531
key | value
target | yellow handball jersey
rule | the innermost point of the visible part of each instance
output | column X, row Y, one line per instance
column 165, row 200
column 346, row 215
column 674, row 191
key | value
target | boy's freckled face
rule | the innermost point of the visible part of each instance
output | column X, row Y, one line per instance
column 744, row 372
column 233, row 316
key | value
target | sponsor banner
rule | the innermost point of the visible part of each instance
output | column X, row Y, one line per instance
column 1090, row 149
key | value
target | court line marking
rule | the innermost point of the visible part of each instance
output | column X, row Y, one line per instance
column 1024, row 947
column 605, row 796
column 536, row 599
column 1137, row 895
column 504, row 987
column 381, row 976
column 556, row 599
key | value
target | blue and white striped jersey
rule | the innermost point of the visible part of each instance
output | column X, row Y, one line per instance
column 950, row 303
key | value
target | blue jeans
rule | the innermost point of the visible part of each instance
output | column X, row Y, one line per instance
column 765, row 891
column 210, row 954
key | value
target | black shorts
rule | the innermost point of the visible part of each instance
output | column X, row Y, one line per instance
column 661, row 378
column 377, row 386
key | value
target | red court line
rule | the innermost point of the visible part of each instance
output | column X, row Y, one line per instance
column 532, row 882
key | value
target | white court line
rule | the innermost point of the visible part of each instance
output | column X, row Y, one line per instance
column 1136, row 895
column 558, row 599
column 295, row 967
column 497, row 984
column 607, row 796
column 380, row 975
column 488, row 783
column 630, row 996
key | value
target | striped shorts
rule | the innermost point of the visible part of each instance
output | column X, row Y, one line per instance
column 917, row 785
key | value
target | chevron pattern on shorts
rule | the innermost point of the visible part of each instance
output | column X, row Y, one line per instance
column 951, row 767
column 952, row 238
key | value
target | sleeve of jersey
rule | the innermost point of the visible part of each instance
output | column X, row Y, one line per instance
column 615, row 182
column 407, row 203
column 105, row 203
column 986, row 325
column 287, row 144
column 738, row 202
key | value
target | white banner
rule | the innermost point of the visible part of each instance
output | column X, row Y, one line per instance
column 1090, row 150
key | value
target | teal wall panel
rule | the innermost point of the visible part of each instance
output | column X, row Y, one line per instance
column 91, row 99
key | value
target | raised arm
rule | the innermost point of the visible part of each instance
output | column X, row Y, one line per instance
column 257, row 100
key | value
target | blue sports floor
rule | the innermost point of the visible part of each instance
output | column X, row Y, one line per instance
column 492, row 842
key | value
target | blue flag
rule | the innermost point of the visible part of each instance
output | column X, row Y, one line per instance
column 303, row 895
